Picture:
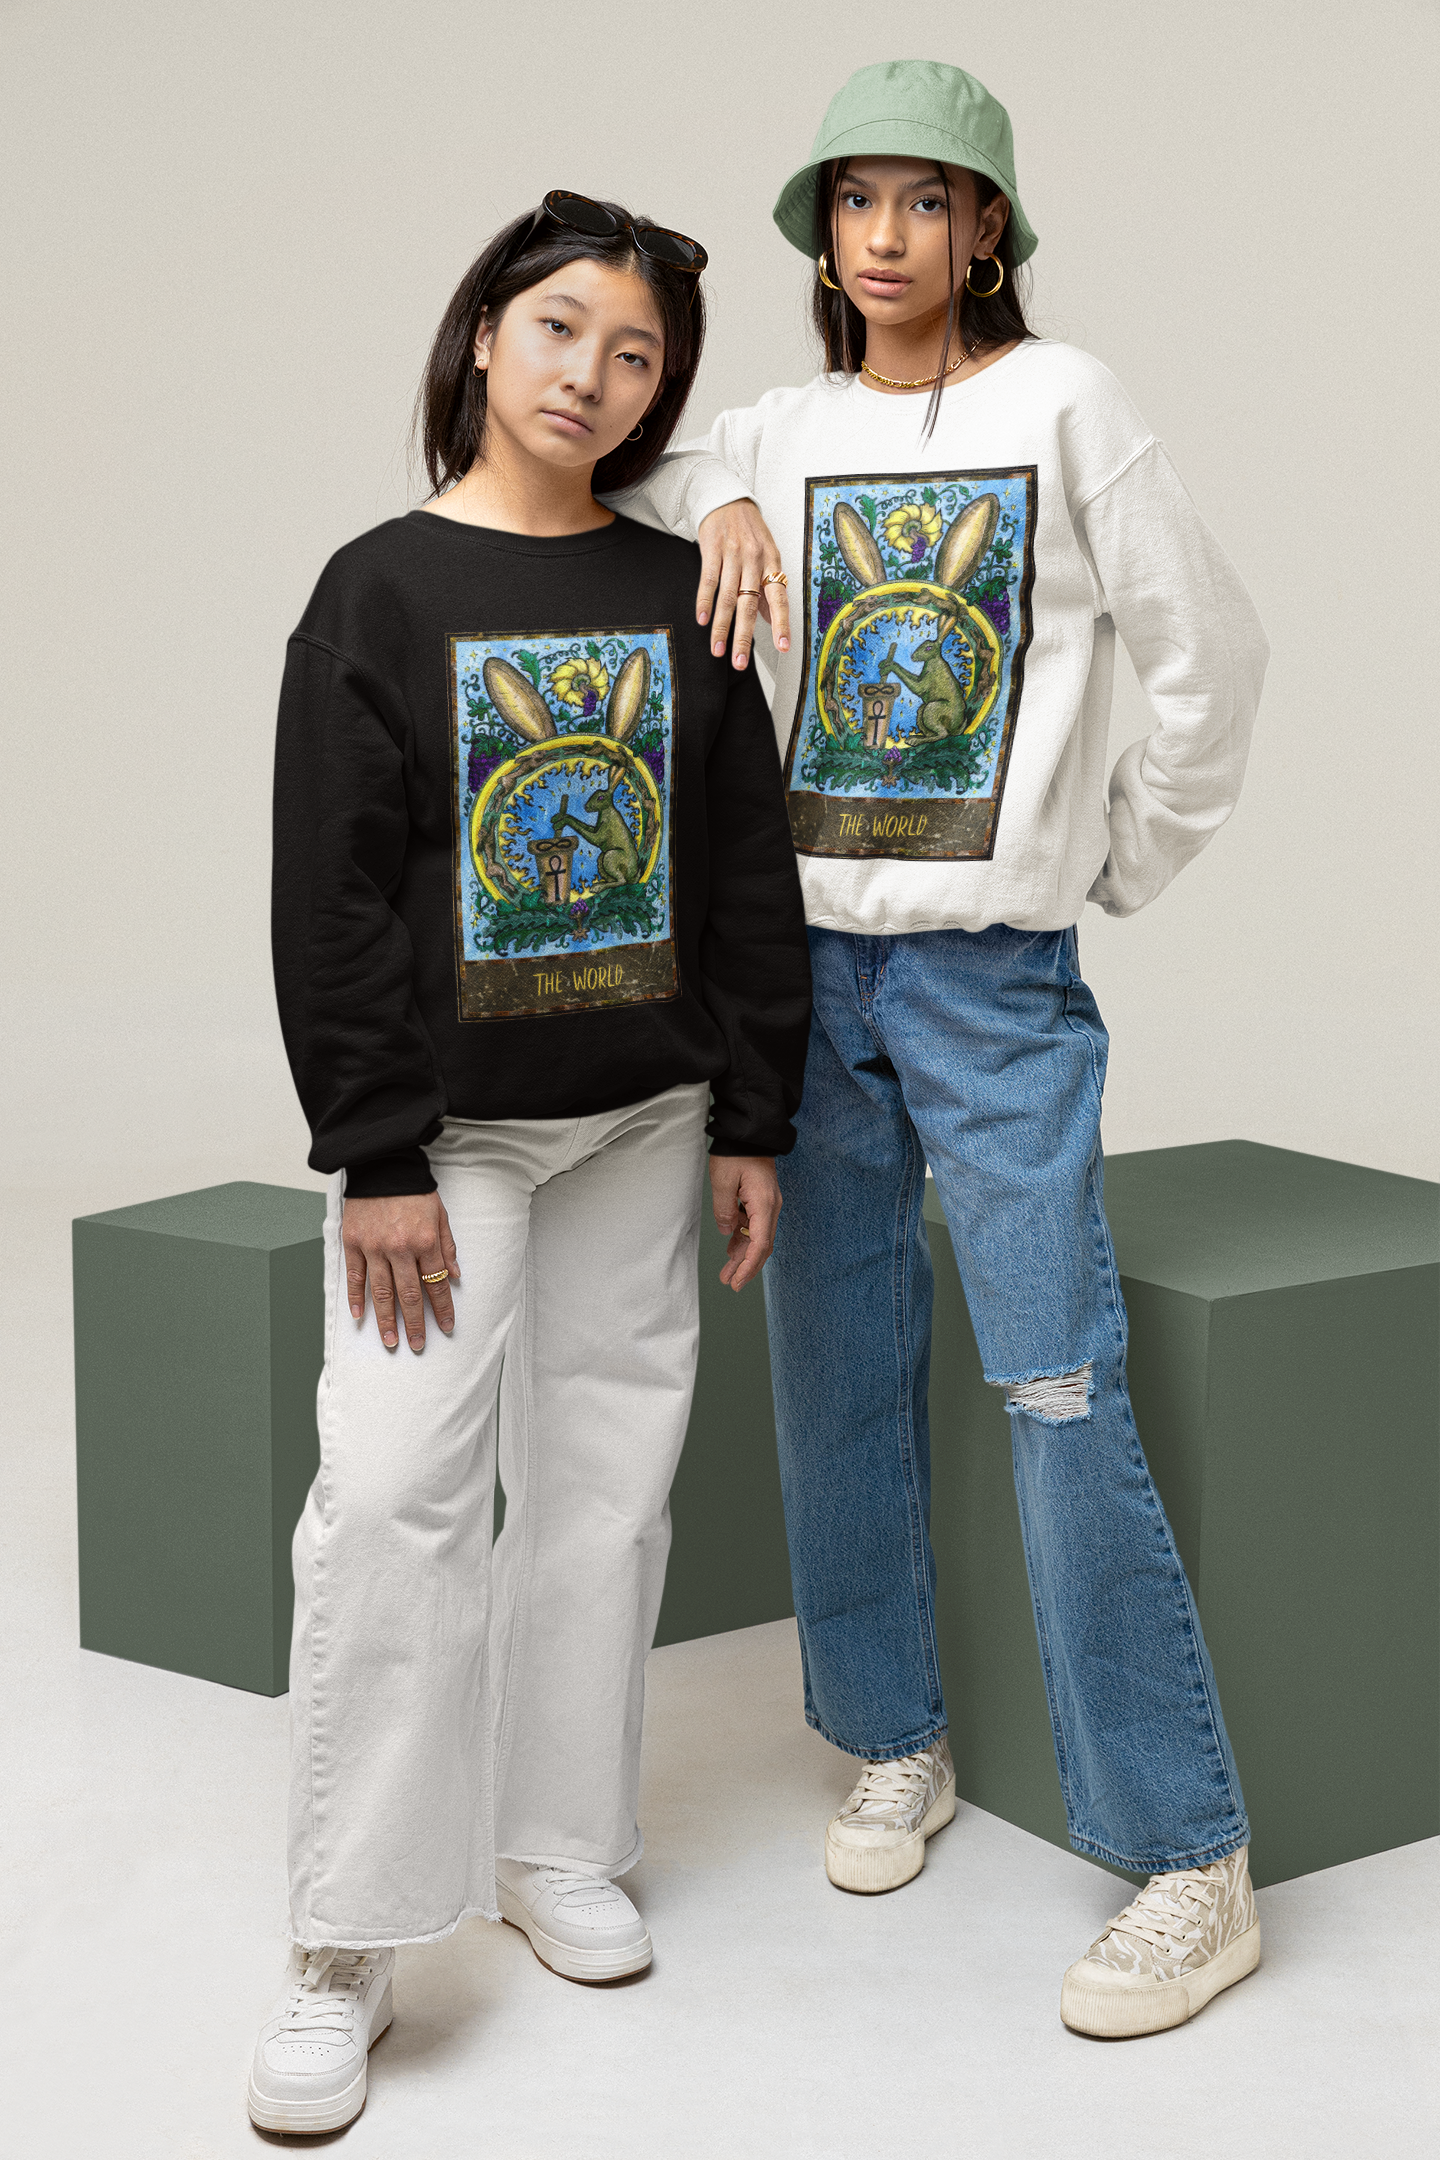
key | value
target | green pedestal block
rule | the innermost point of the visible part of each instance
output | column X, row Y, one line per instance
column 199, row 1330
column 729, row 1567
column 199, row 1324
column 1283, row 1368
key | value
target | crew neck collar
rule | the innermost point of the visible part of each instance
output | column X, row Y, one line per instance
column 512, row 543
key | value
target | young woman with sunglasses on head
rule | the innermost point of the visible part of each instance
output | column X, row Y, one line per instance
column 535, row 901
column 970, row 514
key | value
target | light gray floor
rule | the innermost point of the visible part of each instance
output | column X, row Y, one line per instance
column 143, row 1928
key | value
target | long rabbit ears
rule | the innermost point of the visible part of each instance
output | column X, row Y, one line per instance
column 629, row 695
column 856, row 543
column 518, row 702
column 962, row 548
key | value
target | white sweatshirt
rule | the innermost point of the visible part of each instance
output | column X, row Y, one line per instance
column 944, row 706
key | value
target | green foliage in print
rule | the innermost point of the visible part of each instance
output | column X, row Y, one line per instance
column 947, row 767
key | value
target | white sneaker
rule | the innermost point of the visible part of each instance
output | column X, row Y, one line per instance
column 581, row 1926
column 877, row 1841
column 310, row 2060
column 1188, row 1935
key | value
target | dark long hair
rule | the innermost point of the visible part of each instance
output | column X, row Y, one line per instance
column 450, row 411
column 992, row 322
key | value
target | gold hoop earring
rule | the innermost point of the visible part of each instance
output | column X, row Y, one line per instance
column 636, row 433
column 990, row 290
column 823, row 267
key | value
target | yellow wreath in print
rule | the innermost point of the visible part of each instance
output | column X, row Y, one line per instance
column 561, row 750
column 899, row 599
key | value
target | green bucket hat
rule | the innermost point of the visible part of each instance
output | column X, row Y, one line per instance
column 909, row 108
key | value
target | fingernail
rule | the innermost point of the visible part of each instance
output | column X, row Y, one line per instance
column 740, row 659
column 784, row 644
column 718, row 651
column 391, row 1341
column 702, row 620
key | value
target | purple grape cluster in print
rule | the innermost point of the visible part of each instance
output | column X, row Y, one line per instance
column 562, row 760
column 917, row 625
column 480, row 768
column 832, row 599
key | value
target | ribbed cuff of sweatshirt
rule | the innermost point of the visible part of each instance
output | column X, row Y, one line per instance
column 386, row 1177
column 777, row 1139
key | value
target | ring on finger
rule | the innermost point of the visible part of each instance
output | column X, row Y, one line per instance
column 748, row 592
column 441, row 1275
column 775, row 577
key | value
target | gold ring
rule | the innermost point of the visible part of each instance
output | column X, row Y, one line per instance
column 743, row 1231
column 775, row 577
column 748, row 592
column 443, row 1276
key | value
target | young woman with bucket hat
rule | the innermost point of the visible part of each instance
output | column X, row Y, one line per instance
column 969, row 515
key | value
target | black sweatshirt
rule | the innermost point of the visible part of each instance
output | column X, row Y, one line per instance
column 531, row 851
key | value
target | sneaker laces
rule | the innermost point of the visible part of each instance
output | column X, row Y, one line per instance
column 889, row 1788
column 326, row 1993
column 593, row 1889
column 1170, row 1911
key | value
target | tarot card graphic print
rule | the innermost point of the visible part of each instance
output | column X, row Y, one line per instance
column 564, row 787
column 917, row 620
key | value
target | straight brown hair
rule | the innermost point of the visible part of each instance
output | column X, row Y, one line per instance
column 450, row 411
column 994, row 321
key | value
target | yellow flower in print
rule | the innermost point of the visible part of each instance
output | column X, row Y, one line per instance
column 580, row 684
column 912, row 530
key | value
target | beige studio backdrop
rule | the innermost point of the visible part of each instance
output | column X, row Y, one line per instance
column 229, row 234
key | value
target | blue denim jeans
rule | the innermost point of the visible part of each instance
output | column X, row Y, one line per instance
column 983, row 1054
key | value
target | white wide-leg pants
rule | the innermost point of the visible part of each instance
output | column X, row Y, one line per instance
column 447, row 1704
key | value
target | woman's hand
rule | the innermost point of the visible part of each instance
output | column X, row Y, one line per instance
column 392, row 1243
column 736, row 552
column 746, row 1196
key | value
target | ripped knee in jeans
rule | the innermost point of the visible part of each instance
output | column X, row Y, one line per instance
column 1055, row 1398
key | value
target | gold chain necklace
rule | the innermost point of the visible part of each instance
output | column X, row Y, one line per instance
column 921, row 382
